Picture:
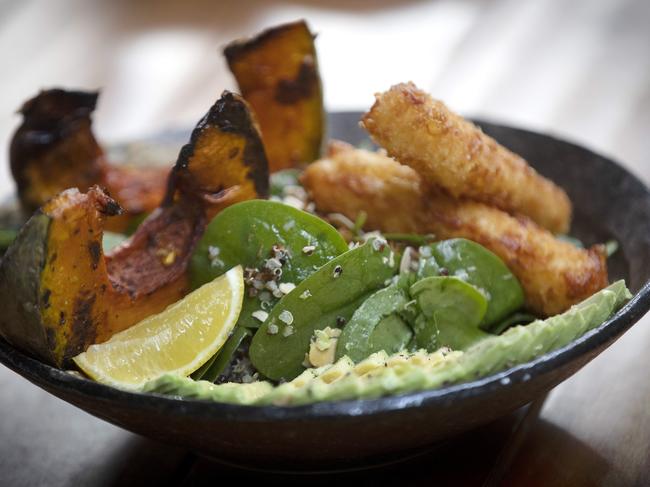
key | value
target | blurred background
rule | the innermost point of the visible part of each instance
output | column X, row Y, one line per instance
column 578, row 69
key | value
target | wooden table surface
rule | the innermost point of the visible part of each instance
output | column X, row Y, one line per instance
column 579, row 69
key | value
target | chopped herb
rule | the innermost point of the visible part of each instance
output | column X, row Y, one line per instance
column 360, row 222
column 412, row 238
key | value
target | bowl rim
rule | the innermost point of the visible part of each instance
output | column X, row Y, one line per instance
column 75, row 385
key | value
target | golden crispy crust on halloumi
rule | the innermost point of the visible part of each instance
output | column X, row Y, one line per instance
column 454, row 154
column 553, row 273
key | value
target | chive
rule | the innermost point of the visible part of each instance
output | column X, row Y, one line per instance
column 359, row 222
column 412, row 238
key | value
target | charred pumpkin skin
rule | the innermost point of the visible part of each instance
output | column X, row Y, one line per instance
column 63, row 294
column 277, row 73
column 54, row 149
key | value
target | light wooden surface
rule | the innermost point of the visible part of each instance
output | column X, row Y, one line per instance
column 579, row 69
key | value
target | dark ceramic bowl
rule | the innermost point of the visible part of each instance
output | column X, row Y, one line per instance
column 609, row 203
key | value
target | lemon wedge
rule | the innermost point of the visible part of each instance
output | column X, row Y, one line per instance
column 176, row 341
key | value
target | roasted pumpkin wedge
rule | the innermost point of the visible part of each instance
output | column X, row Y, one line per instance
column 60, row 293
column 277, row 73
column 54, row 149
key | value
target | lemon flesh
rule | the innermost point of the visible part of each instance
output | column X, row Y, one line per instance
column 176, row 341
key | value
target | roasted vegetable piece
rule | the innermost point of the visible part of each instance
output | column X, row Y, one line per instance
column 277, row 73
column 554, row 274
column 54, row 149
column 60, row 293
column 326, row 298
column 278, row 245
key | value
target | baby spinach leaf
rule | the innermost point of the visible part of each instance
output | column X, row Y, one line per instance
column 451, row 311
column 362, row 334
column 478, row 266
column 326, row 298
column 246, row 233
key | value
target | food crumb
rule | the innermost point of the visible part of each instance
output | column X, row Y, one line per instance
column 322, row 348
column 286, row 287
column 260, row 315
column 286, row 317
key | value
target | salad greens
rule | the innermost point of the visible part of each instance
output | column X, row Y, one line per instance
column 279, row 246
column 310, row 294
column 328, row 297
column 375, row 325
column 451, row 311
column 478, row 266
column 381, row 374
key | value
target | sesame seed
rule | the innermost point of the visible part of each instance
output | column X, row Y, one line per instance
column 272, row 329
column 338, row 270
column 273, row 263
column 405, row 262
column 271, row 286
column 293, row 201
column 305, row 294
column 288, row 331
column 265, row 296
column 425, row 251
column 260, row 315
column 379, row 244
column 286, row 287
column 286, row 317
column 308, row 249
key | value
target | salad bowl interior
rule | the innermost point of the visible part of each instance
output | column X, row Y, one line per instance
column 609, row 203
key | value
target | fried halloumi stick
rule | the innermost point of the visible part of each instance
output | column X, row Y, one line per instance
column 553, row 273
column 455, row 155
